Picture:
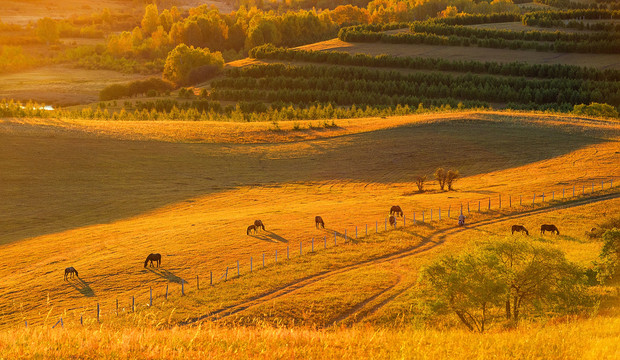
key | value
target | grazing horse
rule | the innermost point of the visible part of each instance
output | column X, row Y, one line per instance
column 396, row 210
column 519, row 228
column 70, row 271
column 551, row 228
column 250, row 229
column 318, row 221
column 259, row 225
column 153, row 257
column 392, row 221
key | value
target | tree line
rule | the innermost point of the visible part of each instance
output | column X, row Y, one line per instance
column 500, row 39
column 493, row 68
column 299, row 84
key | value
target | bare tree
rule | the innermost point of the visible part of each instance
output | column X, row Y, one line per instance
column 419, row 181
column 441, row 176
column 451, row 177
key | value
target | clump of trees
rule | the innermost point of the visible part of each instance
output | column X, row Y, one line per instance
column 609, row 264
column 187, row 65
column 596, row 109
column 134, row 88
column 506, row 280
column 444, row 178
column 420, row 182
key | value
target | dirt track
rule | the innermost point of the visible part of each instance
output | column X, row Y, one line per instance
column 376, row 301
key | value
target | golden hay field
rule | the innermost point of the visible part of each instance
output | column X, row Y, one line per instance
column 107, row 194
column 455, row 53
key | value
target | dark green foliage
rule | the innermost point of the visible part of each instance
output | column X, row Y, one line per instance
column 134, row 88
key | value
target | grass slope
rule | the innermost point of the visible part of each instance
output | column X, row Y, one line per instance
column 106, row 200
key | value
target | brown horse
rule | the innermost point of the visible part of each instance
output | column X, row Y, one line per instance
column 392, row 221
column 250, row 229
column 551, row 228
column 519, row 228
column 259, row 225
column 153, row 257
column 396, row 210
column 70, row 272
column 318, row 221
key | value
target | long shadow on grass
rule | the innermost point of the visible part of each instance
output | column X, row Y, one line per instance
column 82, row 286
column 269, row 236
column 112, row 179
column 166, row 275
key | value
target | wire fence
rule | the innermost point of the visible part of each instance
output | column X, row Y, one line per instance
column 499, row 202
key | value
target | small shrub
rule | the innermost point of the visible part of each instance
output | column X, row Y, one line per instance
column 419, row 181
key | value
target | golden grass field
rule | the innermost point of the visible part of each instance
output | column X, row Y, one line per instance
column 101, row 196
column 455, row 53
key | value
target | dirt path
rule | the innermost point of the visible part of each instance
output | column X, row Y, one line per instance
column 376, row 301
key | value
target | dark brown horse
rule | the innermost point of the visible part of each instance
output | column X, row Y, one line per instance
column 70, row 272
column 250, row 229
column 318, row 221
column 392, row 221
column 153, row 257
column 551, row 228
column 259, row 225
column 519, row 228
column 396, row 210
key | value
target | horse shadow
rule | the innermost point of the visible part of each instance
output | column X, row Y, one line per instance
column 82, row 287
column 269, row 236
column 166, row 275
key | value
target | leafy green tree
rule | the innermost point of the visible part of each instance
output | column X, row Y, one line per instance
column 441, row 176
column 47, row 30
column 509, row 277
column 151, row 20
column 610, row 256
column 183, row 59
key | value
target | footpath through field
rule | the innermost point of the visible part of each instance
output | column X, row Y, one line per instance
column 374, row 302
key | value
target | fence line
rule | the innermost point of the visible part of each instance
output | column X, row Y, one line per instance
column 224, row 276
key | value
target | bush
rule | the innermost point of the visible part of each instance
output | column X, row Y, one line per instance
column 595, row 109
column 183, row 59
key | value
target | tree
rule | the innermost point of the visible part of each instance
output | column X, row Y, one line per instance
column 610, row 256
column 150, row 21
column 47, row 30
column 451, row 177
column 441, row 176
column 508, row 277
column 419, row 181
column 182, row 59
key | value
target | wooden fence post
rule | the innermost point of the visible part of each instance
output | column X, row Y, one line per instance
column 439, row 214
column 276, row 256
column 520, row 200
column 225, row 276
column 81, row 321
column 345, row 235
column 489, row 203
column 478, row 205
column 167, row 289
column 183, row 287
column 449, row 206
column 133, row 306
column 422, row 215
column 431, row 214
column 592, row 187
column 251, row 264
column 543, row 196
column 151, row 295
column 509, row 201
column 404, row 220
column 211, row 278
column 335, row 238
column 356, row 231
column 573, row 190
column 376, row 226
column 583, row 189
column 324, row 242
column 603, row 185
column 414, row 217
column 98, row 312
column 552, row 195
column 312, row 245
column 500, row 201
column 366, row 229
column 385, row 223
column 263, row 260
column 198, row 280
column 468, row 212
column 117, row 307
column 238, row 272
column 300, row 248
column 562, row 193
column 533, row 199
column 287, row 255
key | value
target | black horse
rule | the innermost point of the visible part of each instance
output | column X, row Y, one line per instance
column 519, row 228
column 70, row 272
column 551, row 228
column 250, row 229
column 392, row 221
column 153, row 257
column 318, row 221
column 259, row 225
column 396, row 210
